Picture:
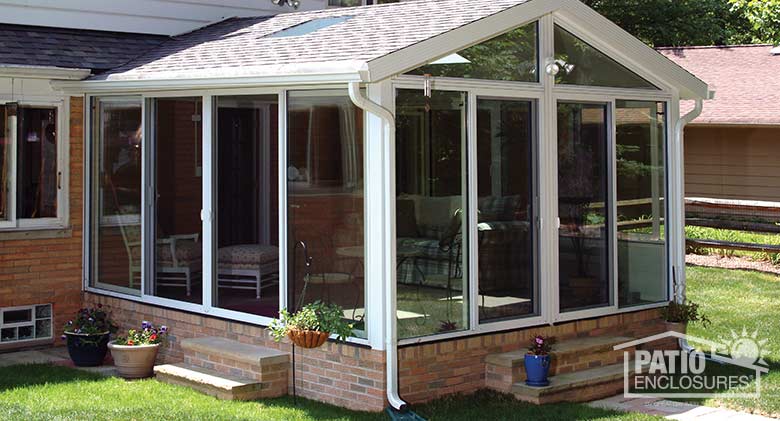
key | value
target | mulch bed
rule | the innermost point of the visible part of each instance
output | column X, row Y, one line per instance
column 731, row 263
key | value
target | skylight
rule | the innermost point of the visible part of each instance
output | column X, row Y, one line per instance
column 310, row 26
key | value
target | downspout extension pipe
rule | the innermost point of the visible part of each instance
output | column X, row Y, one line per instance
column 678, row 138
column 391, row 335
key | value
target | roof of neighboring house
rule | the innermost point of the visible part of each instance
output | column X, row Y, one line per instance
column 746, row 80
column 238, row 46
column 71, row 48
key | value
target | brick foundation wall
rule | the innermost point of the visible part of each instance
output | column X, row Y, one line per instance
column 429, row 371
column 45, row 267
column 340, row 374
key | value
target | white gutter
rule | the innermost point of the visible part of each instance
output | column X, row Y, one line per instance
column 678, row 139
column 42, row 72
column 391, row 334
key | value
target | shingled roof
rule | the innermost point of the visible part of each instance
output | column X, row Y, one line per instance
column 71, row 48
column 242, row 46
column 746, row 80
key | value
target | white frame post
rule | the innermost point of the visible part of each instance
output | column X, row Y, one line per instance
column 208, row 175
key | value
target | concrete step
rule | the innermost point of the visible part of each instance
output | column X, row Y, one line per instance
column 233, row 351
column 210, row 382
column 579, row 386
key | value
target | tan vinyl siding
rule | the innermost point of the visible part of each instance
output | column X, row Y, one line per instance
column 732, row 162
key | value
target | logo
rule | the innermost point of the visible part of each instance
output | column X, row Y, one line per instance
column 731, row 368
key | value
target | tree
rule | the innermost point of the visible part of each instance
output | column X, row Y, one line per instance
column 764, row 17
column 663, row 23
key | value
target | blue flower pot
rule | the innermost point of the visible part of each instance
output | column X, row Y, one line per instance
column 536, row 368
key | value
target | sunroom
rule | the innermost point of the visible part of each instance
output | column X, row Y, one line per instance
column 439, row 169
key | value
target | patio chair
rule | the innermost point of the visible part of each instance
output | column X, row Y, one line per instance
column 248, row 267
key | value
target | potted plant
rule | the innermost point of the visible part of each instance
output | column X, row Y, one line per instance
column 537, row 361
column 134, row 354
column 312, row 325
column 87, row 336
column 679, row 314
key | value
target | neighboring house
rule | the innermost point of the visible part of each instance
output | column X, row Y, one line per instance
column 731, row 149
column 460, row 175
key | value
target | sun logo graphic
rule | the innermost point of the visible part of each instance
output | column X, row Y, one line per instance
column 746, row 348
column 695, row 368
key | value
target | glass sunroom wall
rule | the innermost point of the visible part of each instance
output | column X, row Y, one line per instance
column 325, row 203
column 116, row 194
column 247, row 203
column 641, row 193
column 431, row 210
column 177, row 272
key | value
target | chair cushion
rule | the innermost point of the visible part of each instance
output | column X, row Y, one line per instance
column 247, row 254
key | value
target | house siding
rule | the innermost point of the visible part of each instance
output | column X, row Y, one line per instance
column 41, row 267
column 741, row 163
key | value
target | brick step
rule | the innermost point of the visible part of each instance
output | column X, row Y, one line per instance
column 239, row 360
column 579, row 386
column 210, row 382
column 568, row 356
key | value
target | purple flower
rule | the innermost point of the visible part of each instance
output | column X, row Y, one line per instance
column 63, row 337
column 163, row 329
column 145, row 324
column 539, row 340
column 91, row 319
column 70, row 322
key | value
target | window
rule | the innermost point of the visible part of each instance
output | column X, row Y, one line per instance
column 641, row 137
column 116, row 194
column 511, row 56
column 584, row 236
column 506, row 234
column 581, row 64
column 30, row 173
column 247, row 203
column 325, row 203
column 431, row 208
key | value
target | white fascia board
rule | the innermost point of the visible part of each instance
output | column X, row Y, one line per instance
column 622, row 46
column 282, row 75
column 42, row 72
column 457, row 39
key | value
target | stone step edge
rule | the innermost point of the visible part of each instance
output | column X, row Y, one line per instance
column 226, row 388
column 580, row 379
column 228, row 349
column 510, row 358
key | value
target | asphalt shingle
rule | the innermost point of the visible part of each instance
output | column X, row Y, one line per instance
column 71, row 48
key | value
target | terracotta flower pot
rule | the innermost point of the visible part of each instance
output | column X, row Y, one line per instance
column 308, row 338
column 134, row 362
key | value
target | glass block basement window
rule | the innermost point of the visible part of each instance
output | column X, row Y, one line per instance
column 18, row 324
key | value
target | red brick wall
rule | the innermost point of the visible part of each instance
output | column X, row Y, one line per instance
column 433, row 370
column 38, row 271
column 340, row 374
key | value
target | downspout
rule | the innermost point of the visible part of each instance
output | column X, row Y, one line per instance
column 391, row 334
column 678, row 139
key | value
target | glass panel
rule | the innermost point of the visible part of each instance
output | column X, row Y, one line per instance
column 5, row 163
column 431, row 206
column 581, row 64
column 511, row 56
column 37, row 163
column 583, row 206
column 641, row 135
column 325, row 202
column 116, row 187
column 247, row 139
column 178, row 191
column 505, row 169
column 17, row 316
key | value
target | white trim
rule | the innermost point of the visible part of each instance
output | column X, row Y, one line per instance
column 42, row 72
column 282, row 198
column 208, row 195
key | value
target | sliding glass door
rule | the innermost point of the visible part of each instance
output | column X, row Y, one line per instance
column 505, row 202
column 584, row 239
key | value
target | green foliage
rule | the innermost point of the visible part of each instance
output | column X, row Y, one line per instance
column 685, row 312
column 316, row 316
column 665, row 23
column 90, row 321
column 541, row 345
column 764, row 18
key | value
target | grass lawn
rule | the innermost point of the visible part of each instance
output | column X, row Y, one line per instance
column 44, row 392
column 737, row 299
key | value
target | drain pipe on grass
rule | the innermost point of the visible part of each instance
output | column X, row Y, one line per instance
column 678, row 139
column 391, row 335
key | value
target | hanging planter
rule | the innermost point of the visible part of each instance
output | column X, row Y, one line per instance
column 307, row 338
column 312, row 325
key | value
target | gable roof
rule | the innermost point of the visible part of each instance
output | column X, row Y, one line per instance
column 36, row 46
column 374, row 43
column 746, row 77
